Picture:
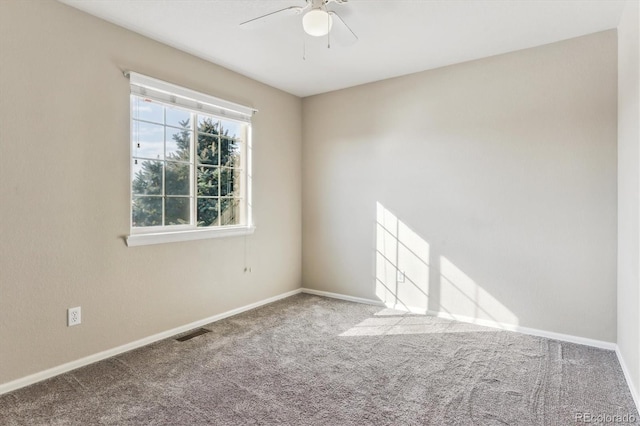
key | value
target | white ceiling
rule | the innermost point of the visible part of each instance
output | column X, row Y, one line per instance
column 396, row 37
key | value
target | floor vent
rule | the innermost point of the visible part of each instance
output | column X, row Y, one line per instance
column 192, row 334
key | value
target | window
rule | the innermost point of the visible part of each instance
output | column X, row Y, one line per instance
column 190, row 164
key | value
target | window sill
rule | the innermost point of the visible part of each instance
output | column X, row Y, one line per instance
column 190, row 235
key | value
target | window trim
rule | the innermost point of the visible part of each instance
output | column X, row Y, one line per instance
column 199, row 103
column 163, row 91
column 134, row 240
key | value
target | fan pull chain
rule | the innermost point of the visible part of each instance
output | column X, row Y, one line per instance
column 304, row 49
column 328, row 31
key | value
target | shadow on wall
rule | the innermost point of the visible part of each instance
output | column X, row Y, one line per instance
column 409, row 276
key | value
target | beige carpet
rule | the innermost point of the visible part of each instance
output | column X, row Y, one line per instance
column 308, row 360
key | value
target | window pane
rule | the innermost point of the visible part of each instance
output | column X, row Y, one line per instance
column 237, row 176
column 230, row 152
column 232, row 129
column 177, row 211
column 229, row 182
column 229, row 212
column 177, row 178
column 147, row 177
column 208, row 181
column 207, row 149
column 207, row 211
column 147, row 110
column 177, row 144
column 148, row 140
column 187, row 167
column 178, row 117
column 208, row 125
column 147, row 211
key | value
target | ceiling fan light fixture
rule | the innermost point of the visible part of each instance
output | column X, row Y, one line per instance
column 317, row 22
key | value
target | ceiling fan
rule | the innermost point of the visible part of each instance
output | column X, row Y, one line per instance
column 317, row 21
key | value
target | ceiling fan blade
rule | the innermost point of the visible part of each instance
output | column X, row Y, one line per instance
column 341, row 33
column 287, row 11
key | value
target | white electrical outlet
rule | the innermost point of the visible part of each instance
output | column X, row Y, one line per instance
column 74, row 316
column 400, row 276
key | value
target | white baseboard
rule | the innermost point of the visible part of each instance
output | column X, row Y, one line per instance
column 342, row 297
column 487, row 323
column 627, row 376
column 64, row 368
column 530, row 331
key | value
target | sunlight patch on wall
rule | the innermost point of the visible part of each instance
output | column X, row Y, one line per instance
column 410, row 276
column 459, row 294
column 402, row 263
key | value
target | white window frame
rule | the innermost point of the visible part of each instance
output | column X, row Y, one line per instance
column 199, row 103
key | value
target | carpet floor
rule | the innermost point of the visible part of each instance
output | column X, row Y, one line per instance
column 308, row 360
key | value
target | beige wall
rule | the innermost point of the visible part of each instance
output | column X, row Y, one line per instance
column 491, row 184
column 628, row 190
column 64, row 186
